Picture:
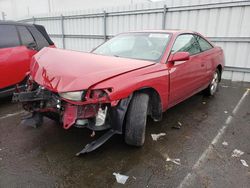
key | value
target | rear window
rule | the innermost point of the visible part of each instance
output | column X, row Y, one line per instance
column 25, row 35
column 40, row 40
column 8, row 36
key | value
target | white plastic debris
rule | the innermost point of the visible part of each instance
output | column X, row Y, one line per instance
column 178, row 126
column 1, row 158
column 225, row 86
column 120, row 178
column 179, row 123
column 225, row 143
column 203, row 102
column 237, row 153
column 226, row 112
column 175, row 161
column 244, row 163
column 155, row 137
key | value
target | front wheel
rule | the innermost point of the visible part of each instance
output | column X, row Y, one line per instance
column 213, row 86
column 136, row 118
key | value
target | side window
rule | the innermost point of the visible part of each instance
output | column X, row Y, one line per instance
column 203, row 43
column 40, row 40
column 26, row 37
column 8, row 36
column 186, row 43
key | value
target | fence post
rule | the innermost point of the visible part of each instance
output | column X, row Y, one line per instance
column 62, row 30
column 104, row 25
column 3, row 16
column 34, row 20
column 164, row 17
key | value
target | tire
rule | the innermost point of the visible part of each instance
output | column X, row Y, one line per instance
column 213, row 86
column 136, row 119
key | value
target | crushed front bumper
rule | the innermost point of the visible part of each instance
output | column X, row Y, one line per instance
column 48, row 103
column 42, row 102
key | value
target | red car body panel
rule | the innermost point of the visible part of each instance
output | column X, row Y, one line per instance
column 13, row 71
column 103, row 86
column 64, row 71
column 61, row 71
column 15, row 57
column 15, row 64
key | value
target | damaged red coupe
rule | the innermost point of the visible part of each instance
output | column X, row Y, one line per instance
column 120, row 82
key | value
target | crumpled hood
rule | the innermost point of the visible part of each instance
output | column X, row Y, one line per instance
column 63, row 70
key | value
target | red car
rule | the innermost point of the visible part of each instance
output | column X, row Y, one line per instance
column 122, row 81
column 18, row 43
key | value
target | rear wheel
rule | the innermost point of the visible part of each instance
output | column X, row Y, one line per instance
column 213, row 86
column 136, row 119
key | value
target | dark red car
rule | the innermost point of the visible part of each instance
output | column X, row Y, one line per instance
column 122, row 81
column 18, row 43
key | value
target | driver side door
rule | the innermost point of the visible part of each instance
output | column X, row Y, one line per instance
column 185, row 76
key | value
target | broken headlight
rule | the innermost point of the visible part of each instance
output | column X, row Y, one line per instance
column 73, row 95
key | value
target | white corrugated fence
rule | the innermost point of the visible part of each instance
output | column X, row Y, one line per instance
column 224, row 22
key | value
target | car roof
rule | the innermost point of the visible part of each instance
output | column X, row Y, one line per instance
column 173, row 31
column 14, row 23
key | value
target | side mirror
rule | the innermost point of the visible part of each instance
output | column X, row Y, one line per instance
column 179, row 56
column 32, row 46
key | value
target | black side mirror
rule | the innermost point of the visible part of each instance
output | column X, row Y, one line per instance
column 32, row 46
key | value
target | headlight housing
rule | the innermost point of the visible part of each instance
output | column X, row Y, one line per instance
column 73, row 95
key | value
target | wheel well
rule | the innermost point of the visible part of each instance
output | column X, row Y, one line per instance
column 155, row 105
column 219, row 67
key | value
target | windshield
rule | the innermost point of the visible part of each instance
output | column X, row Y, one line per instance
column 144, row 46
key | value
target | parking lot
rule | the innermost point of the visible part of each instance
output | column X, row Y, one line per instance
column 45, row 157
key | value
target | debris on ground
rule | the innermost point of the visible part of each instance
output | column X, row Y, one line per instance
column 178, row 126
column 225, row 86
column 225, row 143
column 120, row 178
column 92, row 134
column 237, row 153
column 175, row 161
column 155, row 137
column 1, row 158
column 187, row 137
column 244, row 163
column 226, row 112
column 204, row 102
column 134, row 178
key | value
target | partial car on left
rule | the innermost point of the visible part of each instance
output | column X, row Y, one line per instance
column 18, row 43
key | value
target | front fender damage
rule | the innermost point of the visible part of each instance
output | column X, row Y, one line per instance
column 117, row 115
column 42, row 103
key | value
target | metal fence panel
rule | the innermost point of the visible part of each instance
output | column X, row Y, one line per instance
column 225, row 22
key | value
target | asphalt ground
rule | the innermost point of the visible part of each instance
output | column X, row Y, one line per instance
column 195, row 130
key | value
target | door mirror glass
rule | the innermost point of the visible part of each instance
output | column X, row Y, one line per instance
column 179, row 56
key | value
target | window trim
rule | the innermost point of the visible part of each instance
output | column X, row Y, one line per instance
column 206, row 41
column 37, row 41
